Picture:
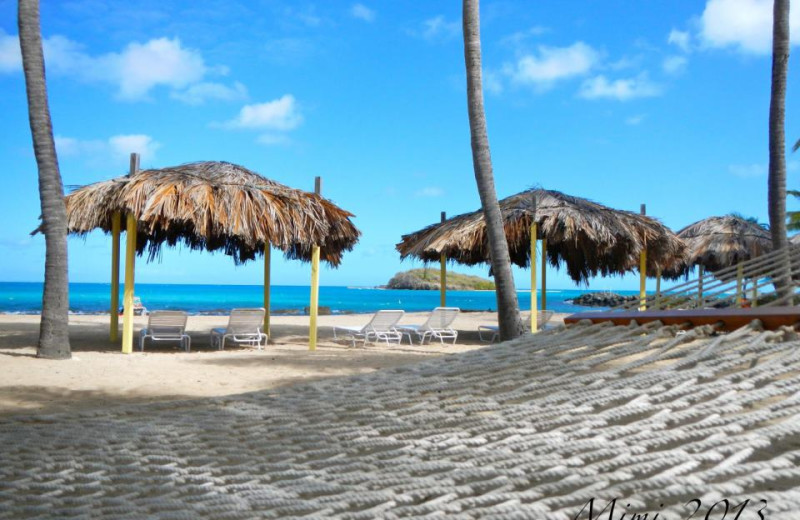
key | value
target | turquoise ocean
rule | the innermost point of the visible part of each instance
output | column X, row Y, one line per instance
column 92, row 298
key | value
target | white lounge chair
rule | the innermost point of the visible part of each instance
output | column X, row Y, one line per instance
column 438, row 325
column 244, row 327
column 381, row 327
column 166, row 326
column 542, row 317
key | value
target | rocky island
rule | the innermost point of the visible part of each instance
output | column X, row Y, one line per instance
column 428, row 279
column 602, row 299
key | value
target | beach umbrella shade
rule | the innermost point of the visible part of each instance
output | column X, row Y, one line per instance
column 589, row 239
column 215, row 206
column 212, row 206
column 719, row 242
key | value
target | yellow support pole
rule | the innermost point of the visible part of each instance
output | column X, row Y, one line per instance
column 127, row 319
column 739, row 276
column 700, row 287
column 534, row 317
column 130, row 262
column 267, row 253
column 312, row 327
column 116, row 224
column 755, row 293
column 658, row 288
column 443, row 274
column 544, row 274
column 643, row 273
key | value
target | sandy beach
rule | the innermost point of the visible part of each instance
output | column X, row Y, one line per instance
column 99, row 374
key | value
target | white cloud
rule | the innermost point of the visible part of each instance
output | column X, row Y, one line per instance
column 429, row 191
column 743, row 24
column 681, row 39
column 199, row 93
column 674, row 64
column 115, row 149
column 10, row 59
column 279, row 114
column 135, row 71
column 140, row 67
column 635, row 120
column 437, row 28
column 600, row 87
column 552, row 64
column 362, row 12
column 747, row 171
column 122, row 146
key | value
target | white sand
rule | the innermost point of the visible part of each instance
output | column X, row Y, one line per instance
column 98, row 374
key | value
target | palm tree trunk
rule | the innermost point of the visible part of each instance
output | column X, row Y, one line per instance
column 777, row 144
column 53, row 330
column 507, row 305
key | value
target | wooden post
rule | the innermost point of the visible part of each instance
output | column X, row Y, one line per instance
column 443, row 274
column 658, row 288
column 534, row 317
column 643, row 271
column 700, row 302
column 130, row 261
column 739, row 276
column 116, row 224
column 312, row 328
column 544, row 274
column 755, row 293
column 267, row 253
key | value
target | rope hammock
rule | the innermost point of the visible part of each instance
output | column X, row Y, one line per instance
column 531, row 428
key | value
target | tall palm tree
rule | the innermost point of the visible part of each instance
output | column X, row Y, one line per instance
column 507, row 304
column 777, row 142
column 53, row 330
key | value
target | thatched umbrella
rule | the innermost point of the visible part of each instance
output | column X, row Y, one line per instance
column 213, row 206
column 715, row 243
column 586, row 237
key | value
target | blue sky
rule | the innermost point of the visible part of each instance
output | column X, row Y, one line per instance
column 622, row 102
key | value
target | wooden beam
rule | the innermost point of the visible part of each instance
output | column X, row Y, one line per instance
column 116, row 224
column 643, row 271
column 443, row 274
column 267, row 254
column 729, row 319
column 127, row 300
column 701, row 273
column 544, row 274
column 130, row 262
column 739, row 277
column 534, row 317
column 314, row 303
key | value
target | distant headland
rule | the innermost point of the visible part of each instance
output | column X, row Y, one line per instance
column 428, row 279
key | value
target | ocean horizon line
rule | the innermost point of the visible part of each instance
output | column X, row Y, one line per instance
column 345, row 286
column 93, row 298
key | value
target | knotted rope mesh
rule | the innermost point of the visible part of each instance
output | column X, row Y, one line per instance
column 532, row 428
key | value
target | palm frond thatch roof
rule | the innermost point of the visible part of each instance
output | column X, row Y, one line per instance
column 720, row 242
column 216, row 206
column 588, row 238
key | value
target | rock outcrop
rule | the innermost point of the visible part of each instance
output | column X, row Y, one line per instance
column 602, row 299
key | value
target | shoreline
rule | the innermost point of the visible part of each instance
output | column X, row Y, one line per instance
column 274, row 313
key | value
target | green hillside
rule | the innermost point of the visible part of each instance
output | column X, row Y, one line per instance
column 428, row 279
